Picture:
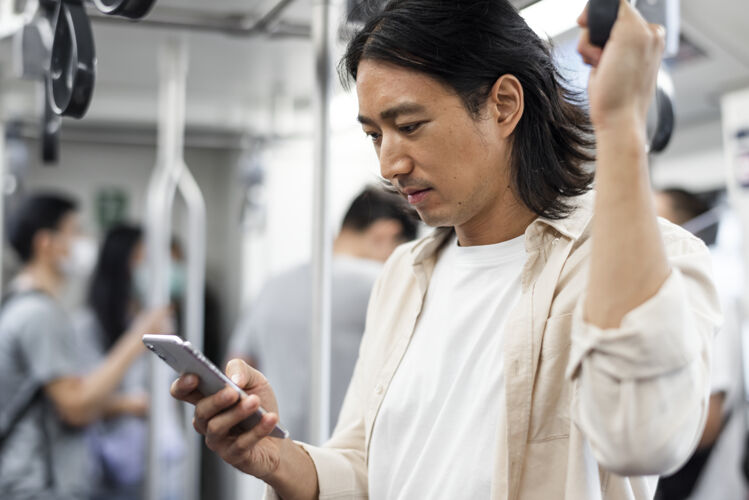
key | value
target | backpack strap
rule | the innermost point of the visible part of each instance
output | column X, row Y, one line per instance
column 27, row 393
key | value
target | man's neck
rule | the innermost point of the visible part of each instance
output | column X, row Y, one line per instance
column 348, row 245
column 39, row 276
column 503, row 224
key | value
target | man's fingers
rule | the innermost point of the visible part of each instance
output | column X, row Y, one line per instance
column 209, row 407
column 589, row 52
column 582, row 19
column 221, row 424
column 185, row 389
column 660, row 34
column 248, row 440
column 243, row 374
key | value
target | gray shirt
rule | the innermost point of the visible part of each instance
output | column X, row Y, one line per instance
column 37, row 341
column 276, row 332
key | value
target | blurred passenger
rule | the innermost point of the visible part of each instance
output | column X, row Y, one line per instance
column 116, row 301
column 713, row 470
column 274, row 334
column 212, row 327
column 47, row 397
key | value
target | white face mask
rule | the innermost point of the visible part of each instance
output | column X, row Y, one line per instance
column 81, row 259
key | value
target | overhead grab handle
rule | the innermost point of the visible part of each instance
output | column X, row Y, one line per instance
column 72, row 69
column 131, row 9
column 602, row 15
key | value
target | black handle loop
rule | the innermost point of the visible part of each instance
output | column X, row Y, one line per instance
column 132, row 9
column 602, row 15
column 665, row 122
column 73, row 66
column 601, row 18
column 50, row 131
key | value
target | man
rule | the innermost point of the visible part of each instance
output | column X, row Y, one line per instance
column 46, row 401
column 275, row 331
column 544, row 344
column 713, row 470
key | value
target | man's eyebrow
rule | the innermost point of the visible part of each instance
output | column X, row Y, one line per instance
column 394, row 112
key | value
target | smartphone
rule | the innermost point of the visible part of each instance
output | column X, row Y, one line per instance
column 184, row 358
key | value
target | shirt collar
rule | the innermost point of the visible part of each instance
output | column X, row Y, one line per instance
column 575, row 223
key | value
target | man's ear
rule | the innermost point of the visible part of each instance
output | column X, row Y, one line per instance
column 506, row 103
column 41, row 243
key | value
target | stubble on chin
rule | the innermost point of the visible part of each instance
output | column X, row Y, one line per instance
column 436, row 218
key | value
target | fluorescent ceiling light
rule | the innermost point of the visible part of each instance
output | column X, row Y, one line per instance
column 550, row 18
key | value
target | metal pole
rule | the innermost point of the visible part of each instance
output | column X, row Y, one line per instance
column 240, row 25
column 193, row 311
column 158, row 227
column 735, row 118
column 168, row 175
column 3, row 169
column 321, row 241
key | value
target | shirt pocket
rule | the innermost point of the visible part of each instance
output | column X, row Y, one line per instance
column 550, row 413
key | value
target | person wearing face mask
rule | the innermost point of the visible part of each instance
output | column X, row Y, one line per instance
column 48, row 397
column 212, row 326
column 116, row 301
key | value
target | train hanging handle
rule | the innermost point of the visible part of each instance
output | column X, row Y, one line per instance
column 602, row 15
column 131, row 9
column 601, row 18
column 50, row 131
column 72, row 69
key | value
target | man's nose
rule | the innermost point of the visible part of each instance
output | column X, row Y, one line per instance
column 394, row 159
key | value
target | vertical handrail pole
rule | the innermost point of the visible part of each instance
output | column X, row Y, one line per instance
column 158, row 227
column 3, row 169
column 193, row 309
column 196, row 257
column 735, row 117
column 321, row 242
column 160, row 200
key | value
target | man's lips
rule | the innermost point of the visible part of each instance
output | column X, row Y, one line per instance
column 416, row 196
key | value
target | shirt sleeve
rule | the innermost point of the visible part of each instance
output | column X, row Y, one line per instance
column 641, row 390
column 47, row 340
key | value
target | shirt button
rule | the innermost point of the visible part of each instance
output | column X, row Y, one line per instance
column 378, row 389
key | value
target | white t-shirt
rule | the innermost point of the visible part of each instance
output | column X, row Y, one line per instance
column 435, row 434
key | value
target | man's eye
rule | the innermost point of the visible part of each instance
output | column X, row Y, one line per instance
column 373, row 136
column 410, row 128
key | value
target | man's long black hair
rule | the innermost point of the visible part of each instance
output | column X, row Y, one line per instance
column 467, row 45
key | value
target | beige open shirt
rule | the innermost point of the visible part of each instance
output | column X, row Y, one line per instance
column 589, row 412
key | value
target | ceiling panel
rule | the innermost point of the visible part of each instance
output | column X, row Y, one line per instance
column 235, row 76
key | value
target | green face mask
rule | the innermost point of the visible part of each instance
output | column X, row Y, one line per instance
column 177, row 281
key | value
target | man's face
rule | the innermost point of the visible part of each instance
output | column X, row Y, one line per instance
column 61, row 239
column 452, row 168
